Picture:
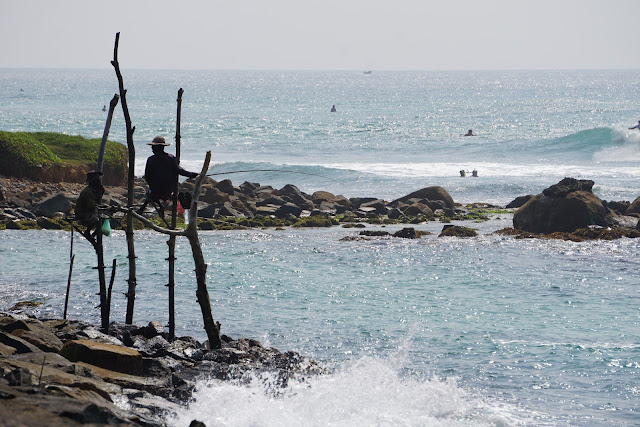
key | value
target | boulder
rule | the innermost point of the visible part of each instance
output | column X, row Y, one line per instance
column 214, row 195
column 634, row 207
column 407, row 233
column 271, row 200
column 286, row 210
column 228, row 210
column 301, row 201
column 379, row 206
column 567, row 186
column 618, row 207
column 416, row 209
column 154, row 328
column 355, row 202
column 435, row 192
column 546, row 214
column 21, row 346
column 206, row 211
column 519, row 201
column 56, row 203
column 324, row 196
column 226, row 186
column 288, row 190
column 395, row 213
column 450, row 230
column 248, row 187
column 41, row 337
column 108, row 356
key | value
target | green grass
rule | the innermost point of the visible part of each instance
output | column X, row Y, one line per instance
column 23, row 150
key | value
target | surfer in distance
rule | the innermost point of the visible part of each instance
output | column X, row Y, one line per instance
column 333, row 109
column 636, row 126
column 469, row 133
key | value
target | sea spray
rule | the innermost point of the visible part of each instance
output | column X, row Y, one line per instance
column 367, row 391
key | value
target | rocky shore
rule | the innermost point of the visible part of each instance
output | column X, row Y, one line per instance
column 58, row 372
column 558, row 212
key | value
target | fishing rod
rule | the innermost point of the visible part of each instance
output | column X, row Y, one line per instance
column 273, row 170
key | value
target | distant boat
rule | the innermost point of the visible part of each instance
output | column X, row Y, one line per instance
column 367, row 72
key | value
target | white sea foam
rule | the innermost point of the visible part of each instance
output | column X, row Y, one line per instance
column 366, row 392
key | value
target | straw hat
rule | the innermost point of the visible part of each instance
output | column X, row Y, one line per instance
column 158, row 140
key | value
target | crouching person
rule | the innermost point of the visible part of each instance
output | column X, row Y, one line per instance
column 86, row 209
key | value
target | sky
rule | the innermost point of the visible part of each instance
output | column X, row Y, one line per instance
column 321, row 35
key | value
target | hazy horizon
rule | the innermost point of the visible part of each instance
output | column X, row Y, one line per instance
column 287, row 35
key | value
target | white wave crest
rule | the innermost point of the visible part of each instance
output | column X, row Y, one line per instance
column 367, row 392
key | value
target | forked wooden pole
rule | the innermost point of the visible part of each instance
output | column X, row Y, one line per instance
column 131, row 291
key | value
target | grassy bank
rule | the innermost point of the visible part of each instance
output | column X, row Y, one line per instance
column 51, row 157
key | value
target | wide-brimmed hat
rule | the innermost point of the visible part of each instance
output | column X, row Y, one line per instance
column 158, row 140
column 93, row 175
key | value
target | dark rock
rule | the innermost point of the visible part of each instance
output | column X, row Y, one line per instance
column 395, row 213
column 249, row 187
column 53, row 204
column 21, row 346
column 634, row 207
column 47, row 224
column 618, row 207
column 457, row 231
column 41, row 337
column 214, row 195
column 207, row 211
column 154, row 328
column 567, row 186
column 519, row 201
column 543, row 214
column 287, row 210
column 324, row 196
column 431, row 193
column 416, row 209
column 356, row 202
column 407, row 233
column 379, row 205
column 288, row 190
column 24, row 213
column 301, row 201
column 272, row 200
column 228, row 210
column 374, row 233
column 108, row 356
column 225, row 186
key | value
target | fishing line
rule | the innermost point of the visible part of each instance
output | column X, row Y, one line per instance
column 274, row 170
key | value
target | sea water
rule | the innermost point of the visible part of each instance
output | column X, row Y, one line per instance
column 490, row 330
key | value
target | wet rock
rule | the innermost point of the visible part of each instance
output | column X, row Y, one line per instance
column 407, row 233
column 53, row 204
column 567, row 186
column 634, row 207
column 416, row 209
column 431, row 193
column 287, row 210
column 519, row 201
column 108, row 356
column 20, row 345
column 154, row 328
column 450, row 230
column 379, row 206
column 226, row 186
column 545, row 214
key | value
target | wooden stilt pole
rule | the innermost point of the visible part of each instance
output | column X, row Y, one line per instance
column 71, row 258
column 172, row 239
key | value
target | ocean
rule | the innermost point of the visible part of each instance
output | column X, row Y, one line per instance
column 489, row 330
